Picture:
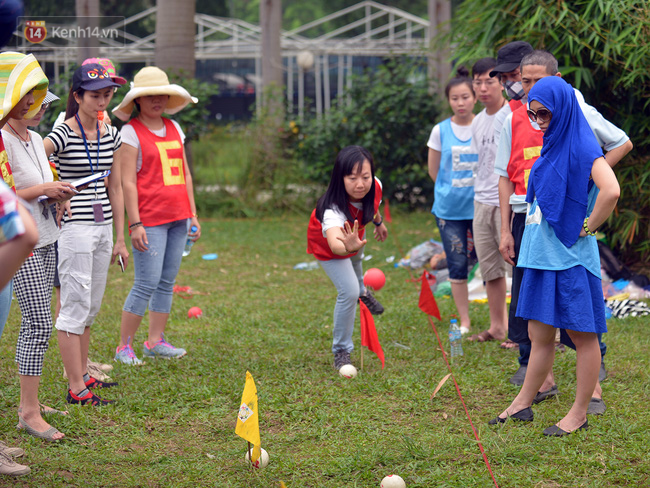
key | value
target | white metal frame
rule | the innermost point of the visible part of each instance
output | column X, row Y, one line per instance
column 385, row 31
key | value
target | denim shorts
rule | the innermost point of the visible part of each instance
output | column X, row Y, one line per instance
column 453, row 234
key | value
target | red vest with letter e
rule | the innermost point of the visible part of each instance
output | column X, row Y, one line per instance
column 317, row 244
column 526, row 146
column 162, row 192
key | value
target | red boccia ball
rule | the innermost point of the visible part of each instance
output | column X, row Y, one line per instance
column 194, row 313
column 374, row 278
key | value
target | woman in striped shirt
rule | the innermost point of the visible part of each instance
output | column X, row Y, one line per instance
column 85, row 146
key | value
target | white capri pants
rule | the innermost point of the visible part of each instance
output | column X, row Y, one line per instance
column 84, row 256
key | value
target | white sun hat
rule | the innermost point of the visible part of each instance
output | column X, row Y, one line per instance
column 153, row 81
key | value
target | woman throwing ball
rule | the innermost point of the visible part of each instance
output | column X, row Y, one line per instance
column 336, row 238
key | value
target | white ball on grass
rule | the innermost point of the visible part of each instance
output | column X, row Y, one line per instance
column 348, row 371
column 305, row 59
column 263, row 460
column 392, row 481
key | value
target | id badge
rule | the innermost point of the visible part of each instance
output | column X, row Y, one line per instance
column 98, row 211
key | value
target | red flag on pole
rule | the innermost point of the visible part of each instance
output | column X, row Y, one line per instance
column 369, row 336
column 427, row 302
column 387, row 216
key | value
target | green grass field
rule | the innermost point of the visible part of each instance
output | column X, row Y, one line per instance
column 174, row 422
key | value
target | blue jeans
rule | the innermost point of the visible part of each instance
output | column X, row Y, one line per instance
column 347, row 276
column 453, row 234
column 156, row 268
column 5, row 305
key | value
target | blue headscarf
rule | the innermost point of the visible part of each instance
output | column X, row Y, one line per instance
column 559, row 179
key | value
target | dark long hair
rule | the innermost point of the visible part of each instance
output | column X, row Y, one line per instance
column 462, row 76
column 349, row 160
column 72, row 106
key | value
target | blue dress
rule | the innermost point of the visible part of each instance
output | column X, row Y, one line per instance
column 561, row 286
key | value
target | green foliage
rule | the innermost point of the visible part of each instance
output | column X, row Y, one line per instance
column 602, row 49
column 390, row 112
column 628, row 229
column 601, row 46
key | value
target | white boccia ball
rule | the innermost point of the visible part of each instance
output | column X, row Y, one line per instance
column 305, row 59
column 263, row 460
column 392, row 481
column 348, row 371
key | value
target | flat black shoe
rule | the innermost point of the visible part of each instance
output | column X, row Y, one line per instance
column 545, row 395
column 525, row 415
column 518, row 378
column 555, row 431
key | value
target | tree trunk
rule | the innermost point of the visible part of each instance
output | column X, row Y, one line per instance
column 439, row 65
column 87, row 12
column 272, row 72
column 175, row 34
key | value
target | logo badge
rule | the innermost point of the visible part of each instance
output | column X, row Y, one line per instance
column 35, row 31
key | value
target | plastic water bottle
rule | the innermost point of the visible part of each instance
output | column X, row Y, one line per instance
column 189, row 242
column 455, row 339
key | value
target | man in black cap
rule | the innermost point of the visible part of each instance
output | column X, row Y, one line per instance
column 507, row 69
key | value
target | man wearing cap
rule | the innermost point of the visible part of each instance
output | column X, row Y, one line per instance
column 519, row 147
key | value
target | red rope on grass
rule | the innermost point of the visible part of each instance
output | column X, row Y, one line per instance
column 444, row 356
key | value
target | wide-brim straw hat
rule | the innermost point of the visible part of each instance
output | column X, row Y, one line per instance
column 20, row 73
column 153, row 81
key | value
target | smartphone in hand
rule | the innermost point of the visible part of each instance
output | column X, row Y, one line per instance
column 121, row 263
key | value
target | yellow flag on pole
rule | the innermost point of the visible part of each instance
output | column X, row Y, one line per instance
column 248, row 426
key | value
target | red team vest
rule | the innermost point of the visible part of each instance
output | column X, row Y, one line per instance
column 162, row 193
column 317, row 244
column 526, row 145
column 5, row 167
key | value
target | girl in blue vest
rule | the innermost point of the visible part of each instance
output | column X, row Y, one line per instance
column 336, row 237
column 451, row 167
column 571, row 192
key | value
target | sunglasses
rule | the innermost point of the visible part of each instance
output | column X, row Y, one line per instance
column 542, row 115
column 45, row 106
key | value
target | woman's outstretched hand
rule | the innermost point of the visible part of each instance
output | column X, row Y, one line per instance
column 350, row 237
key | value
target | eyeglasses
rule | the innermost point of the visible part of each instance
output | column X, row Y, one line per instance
column 45, row 106
column 487, row 83
column 542, row 115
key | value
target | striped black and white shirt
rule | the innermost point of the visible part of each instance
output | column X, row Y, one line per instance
column 73, row 164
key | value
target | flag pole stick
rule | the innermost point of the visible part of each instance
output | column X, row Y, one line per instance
column 361, row 358
column 250, row 455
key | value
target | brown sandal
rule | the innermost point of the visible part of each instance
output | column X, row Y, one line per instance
column 484, row 336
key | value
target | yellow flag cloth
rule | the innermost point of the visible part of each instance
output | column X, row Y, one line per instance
column 20, row 73
column 247, row 420
column 282, row 485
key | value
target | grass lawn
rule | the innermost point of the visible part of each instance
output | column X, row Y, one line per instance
column 173, row 423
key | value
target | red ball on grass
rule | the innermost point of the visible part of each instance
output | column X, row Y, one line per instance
column 374, row 278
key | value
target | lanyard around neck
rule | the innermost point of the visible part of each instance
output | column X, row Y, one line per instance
column 83, row 136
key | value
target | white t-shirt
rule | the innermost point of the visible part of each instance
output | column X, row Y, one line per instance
column 486, row 182
column 30, row 167
column 607, row 134
column 333, row 217
column 130, row 137
column 463, row 132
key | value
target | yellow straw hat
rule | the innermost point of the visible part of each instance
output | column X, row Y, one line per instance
column 153, row 81
column 20, row 73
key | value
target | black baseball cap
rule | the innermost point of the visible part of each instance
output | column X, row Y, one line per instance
column 510, row 56
column 92, row 77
